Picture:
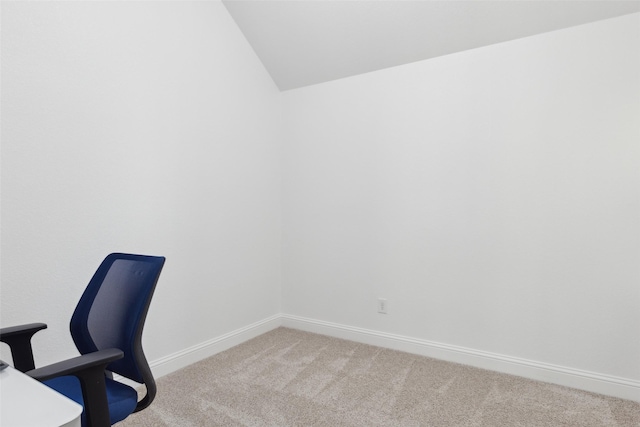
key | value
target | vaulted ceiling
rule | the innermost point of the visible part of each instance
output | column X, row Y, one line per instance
column 304, row 42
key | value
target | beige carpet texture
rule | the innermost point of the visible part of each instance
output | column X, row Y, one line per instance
column 288, row 377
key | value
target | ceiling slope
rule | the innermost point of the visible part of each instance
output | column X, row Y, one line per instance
column 304, row 42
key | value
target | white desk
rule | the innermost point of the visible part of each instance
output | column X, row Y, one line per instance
column 25, row 402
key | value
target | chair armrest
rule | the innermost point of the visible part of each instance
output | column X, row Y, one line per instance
column 77, row 365
column 90, row 371
column 19, row 340
column 30, row 328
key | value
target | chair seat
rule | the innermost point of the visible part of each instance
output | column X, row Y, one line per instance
column 122, row 398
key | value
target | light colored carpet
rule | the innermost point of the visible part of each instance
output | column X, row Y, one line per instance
column 292, row 378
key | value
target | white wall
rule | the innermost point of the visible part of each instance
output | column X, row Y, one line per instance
column 145, row 127
column 492, row 196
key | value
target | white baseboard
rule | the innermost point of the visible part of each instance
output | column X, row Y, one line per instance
column 188, row 356
column 575, row 378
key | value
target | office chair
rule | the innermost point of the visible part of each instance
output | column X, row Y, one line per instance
column 106, row 327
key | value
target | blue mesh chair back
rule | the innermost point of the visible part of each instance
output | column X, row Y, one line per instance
column 112, row 311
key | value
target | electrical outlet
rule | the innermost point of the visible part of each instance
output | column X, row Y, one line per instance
column 382, row 306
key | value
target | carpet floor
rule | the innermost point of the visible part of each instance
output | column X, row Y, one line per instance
column 288, row 378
